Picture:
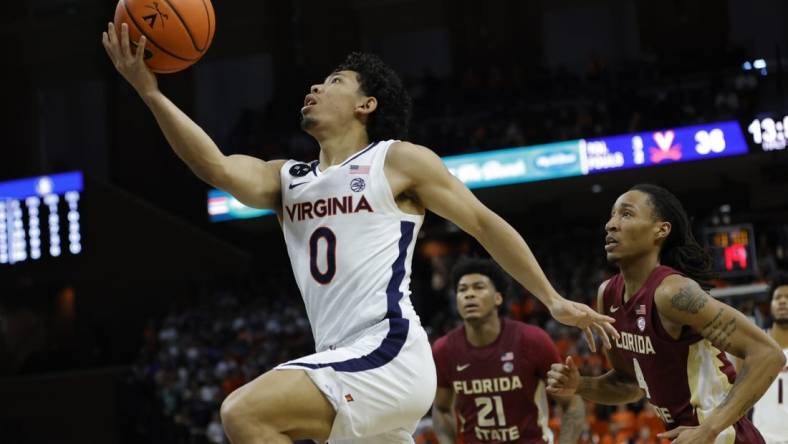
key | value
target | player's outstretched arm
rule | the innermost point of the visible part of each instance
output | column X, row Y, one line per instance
column 427, row 178
column 252, row 181
column 443, row 417
column 682, row 301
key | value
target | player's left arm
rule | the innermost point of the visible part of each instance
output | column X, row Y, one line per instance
column 682, row 301
column 427, row 180
column 573, row 418
column 542, row 351
column 443, row 421
column 443, row 416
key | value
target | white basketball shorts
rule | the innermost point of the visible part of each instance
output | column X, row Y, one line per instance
column 381, row 384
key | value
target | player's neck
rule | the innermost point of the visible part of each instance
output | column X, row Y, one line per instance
column 335, row 148
column 483, row 332
column 780, row 334
column 636, row 271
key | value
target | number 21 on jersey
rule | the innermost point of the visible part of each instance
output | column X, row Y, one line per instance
column 489, row 412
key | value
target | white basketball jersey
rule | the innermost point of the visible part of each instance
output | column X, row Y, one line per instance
column 770, row 414
column 350, row 245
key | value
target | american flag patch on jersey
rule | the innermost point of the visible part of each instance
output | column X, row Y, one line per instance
column 508, row 356
column 359, row 169
column 641, row 310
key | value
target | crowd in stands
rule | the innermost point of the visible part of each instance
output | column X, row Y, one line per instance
column 497, row 106
column 208, row 346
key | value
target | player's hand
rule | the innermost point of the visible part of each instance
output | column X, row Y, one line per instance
column 563, row 379
column 130, row 64
column 688, row 435
column 587, row 319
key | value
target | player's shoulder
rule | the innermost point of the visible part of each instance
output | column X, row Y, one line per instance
column 448, row 340
column 674, row 284
column 448, row 347
column 530, row 333
column 408, row 156
column 600, row 294
column 403, row 147
column 603, row 286
column 440, row 344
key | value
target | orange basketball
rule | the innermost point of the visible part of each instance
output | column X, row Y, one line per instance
column 178, row 32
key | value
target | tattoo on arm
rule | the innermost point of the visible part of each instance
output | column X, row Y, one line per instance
column 689, row 301
column 719, row 331
column 609, row 389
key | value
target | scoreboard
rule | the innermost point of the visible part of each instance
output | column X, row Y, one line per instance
column 40, row 218
column 766, row 132
column 732, row 248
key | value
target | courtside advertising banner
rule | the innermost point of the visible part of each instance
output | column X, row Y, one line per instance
column 517, row 165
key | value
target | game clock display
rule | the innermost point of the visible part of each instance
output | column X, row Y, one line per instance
column 732, row 248
column 769, row 133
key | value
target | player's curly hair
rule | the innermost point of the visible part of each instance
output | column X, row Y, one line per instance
column 391, row 119
column 680, row 250
column 484, row 267
column 780, row 279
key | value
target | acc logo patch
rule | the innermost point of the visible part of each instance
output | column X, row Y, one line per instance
column 357, row 184
column 641, row 323
column 300, row 169
column 508, row 367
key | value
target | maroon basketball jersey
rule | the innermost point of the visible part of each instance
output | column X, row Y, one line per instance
column 499, row 389
column 684, row 378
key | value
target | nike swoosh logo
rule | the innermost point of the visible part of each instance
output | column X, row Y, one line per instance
column 293, row 185
column 462, row 367
column 614, row 308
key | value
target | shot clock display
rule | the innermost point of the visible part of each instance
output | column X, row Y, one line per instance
column 39, row 218
column 732, row 249
column 769, row 133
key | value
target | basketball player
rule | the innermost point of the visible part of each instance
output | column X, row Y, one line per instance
column 770, row 414
column 492, row 370
column 673, row 334
column 350, row 221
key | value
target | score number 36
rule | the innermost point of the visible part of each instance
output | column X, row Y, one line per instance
column 710, row 141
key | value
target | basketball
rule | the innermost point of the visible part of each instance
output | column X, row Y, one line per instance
column 178, row 32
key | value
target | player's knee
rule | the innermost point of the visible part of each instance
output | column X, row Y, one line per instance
column 229, row 414
column 238, row 416
column 234, row 416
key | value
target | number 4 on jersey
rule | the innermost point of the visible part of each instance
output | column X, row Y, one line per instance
column 662, row 412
